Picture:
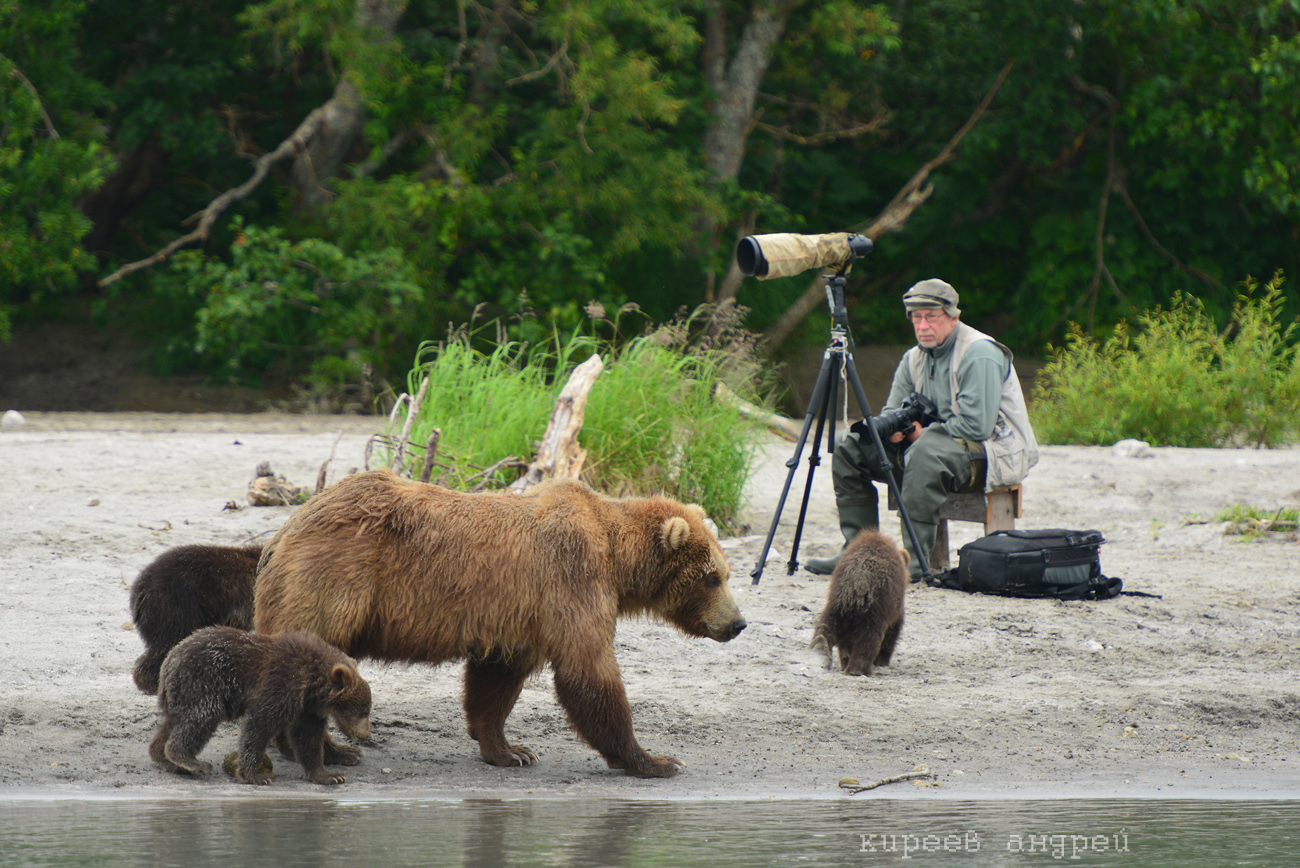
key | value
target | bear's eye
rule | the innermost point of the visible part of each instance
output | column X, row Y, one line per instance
column 712, row 580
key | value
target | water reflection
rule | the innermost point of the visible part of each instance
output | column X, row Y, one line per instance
column 480, row 833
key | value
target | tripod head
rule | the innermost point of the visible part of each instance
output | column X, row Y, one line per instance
column 835, row 301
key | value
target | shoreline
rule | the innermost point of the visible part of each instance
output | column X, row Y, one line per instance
column 1191, row 696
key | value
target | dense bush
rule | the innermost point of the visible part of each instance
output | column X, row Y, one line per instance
column 652, row 424
column 1178, row 379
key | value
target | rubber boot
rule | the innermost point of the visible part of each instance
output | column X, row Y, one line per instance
column 854, row 518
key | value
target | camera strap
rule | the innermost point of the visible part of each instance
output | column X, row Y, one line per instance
column 844, row 378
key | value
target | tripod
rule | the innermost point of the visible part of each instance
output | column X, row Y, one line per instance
column 837, row 361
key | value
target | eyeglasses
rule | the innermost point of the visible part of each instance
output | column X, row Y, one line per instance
column 931, row 317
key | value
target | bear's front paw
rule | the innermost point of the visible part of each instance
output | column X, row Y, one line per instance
column 255, row 778
column 194, row 767
column 513, row 755
column 231, row 765
column 326, row 779
column 656, row 767
column 341, row 754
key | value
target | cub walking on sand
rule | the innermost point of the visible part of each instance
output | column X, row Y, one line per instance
column 864, row 605
column 290, row 683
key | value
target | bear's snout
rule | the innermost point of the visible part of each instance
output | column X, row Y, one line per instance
column 736, row 626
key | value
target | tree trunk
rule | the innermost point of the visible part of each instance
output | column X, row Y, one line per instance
column 343, row 118
column 735, row 84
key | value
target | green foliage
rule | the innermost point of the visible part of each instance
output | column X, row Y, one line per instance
column 1253, row 523
column 50, row 156
column 652, row 424
column 294, row 307
column 1179, row 380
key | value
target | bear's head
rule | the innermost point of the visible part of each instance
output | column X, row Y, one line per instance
column 691, row 589
column 349, row 701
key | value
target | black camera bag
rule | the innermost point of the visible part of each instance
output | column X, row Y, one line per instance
column 1062, row 564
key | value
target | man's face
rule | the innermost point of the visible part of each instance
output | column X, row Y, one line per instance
column 932, row 327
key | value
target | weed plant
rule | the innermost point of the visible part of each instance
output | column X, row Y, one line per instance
column 652, row 424
column 1178, row 380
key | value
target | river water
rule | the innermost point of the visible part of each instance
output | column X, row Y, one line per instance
column 853, row 831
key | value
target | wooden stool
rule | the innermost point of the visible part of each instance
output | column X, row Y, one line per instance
column 998, row 509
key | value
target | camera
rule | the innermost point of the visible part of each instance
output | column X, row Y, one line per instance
column 785, row 254
column 916, row 408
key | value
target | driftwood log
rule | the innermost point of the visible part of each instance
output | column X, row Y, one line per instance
column 559, row 456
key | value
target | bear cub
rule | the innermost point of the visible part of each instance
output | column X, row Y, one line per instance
column 186, row 588
column 864, row 605
column 290, row 683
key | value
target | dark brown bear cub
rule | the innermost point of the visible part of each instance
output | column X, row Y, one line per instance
column 186, row 588
column 864, row 606
column 287, row 682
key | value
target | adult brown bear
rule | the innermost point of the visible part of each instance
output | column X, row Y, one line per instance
column 391, row 569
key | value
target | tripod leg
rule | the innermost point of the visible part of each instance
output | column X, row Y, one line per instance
column 814, row 457
column 817, row 400
column 888, row 471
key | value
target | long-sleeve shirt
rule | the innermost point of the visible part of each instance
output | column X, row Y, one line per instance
column 979, row 387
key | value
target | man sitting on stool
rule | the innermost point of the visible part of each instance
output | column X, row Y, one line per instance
column 982, row 436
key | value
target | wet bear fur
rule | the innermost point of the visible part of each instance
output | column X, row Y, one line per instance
column 391, row 569
column 864, row 605
column 290, row 683
column 187, row 588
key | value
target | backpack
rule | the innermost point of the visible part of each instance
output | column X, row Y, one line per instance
column 1061, row 564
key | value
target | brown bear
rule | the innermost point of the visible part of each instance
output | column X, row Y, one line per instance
column 391, row 569
column 864, row 605
column 290, row 683
column 186, row 588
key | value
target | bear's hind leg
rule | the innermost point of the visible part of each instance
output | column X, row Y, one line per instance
column 145, row 673
column 865, row 644
column 492, row 686
column 888, row 643
column 596, row 704
column 186, row 739
column 157, row 747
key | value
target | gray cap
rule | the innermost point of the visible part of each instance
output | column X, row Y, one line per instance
column 931, row 294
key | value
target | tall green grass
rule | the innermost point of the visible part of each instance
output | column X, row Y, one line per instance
column 652, row 424
column 1178, row 380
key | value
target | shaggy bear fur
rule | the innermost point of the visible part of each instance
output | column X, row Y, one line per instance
column 290, row 682
column 186, row 588
column 864, row 605
column 391, row 569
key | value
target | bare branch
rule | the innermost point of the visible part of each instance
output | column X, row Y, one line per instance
column 1122, row 189
column 872, row 126
column 559, row 55
column 908, row 198
column 31, row 88
column 208, row 217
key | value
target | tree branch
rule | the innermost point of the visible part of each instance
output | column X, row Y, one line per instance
column 31, row 88
column 206, row 218
column 894, row 216
column 822, row 138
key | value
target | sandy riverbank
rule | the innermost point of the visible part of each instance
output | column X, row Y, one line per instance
column 1193, row 693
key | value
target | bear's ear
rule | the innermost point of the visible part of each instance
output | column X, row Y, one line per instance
column 907, row 557
column 341, row 675
column 675, row 532
column 696, row 510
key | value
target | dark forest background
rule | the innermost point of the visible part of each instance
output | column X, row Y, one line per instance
column 307, row 189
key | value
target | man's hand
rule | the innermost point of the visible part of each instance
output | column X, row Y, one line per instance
column 909, row 435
